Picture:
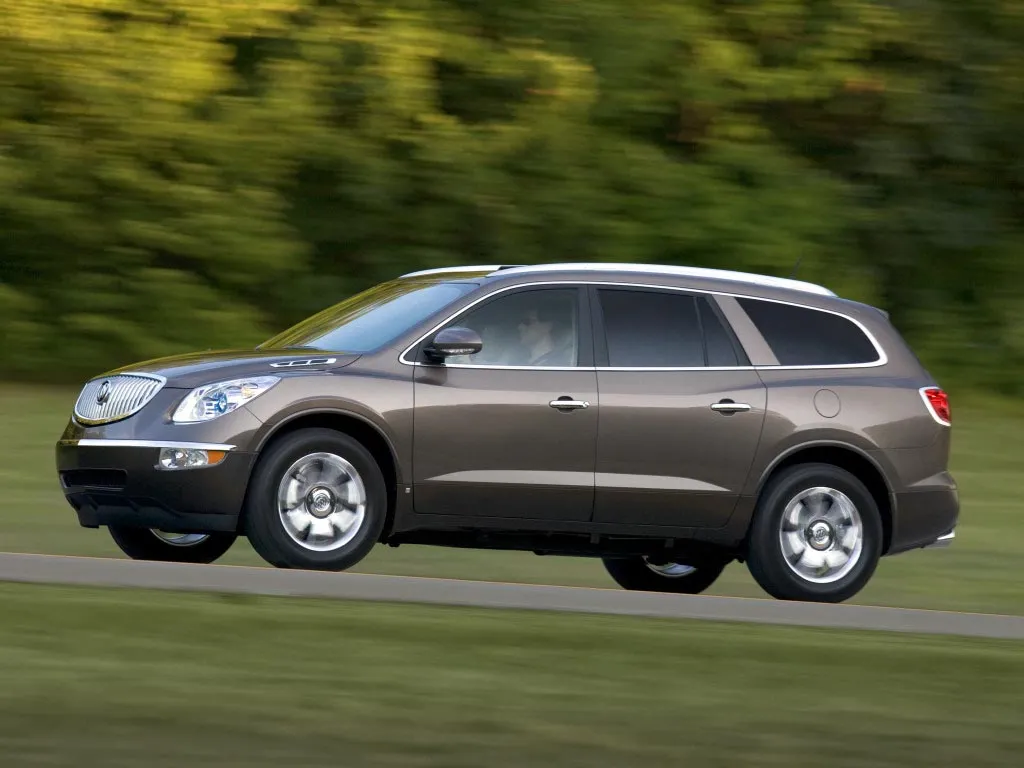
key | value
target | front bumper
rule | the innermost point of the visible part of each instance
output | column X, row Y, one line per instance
column 117, row 482
column 108, row 472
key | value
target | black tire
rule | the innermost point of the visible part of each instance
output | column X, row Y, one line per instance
column 145, row 544
column 765, row 555
column 634, row 573
column 262, row 522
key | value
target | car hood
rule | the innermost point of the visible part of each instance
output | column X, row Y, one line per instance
column 199, row 368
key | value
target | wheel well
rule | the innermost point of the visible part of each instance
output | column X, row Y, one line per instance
column 854, row 463
column 356, row 428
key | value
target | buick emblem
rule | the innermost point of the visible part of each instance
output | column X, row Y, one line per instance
column 104, row 394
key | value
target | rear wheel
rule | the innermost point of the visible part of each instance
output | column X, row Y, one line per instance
column 153, row 544
column 816, row 535
column 643, row 575
column 318, row 501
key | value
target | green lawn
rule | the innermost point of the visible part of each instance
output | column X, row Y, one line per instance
column 981, row 572
column 122, row 678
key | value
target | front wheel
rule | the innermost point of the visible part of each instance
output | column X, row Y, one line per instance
column 816, row 535
column 153, row 544
column 643, row 575
column 318, row 501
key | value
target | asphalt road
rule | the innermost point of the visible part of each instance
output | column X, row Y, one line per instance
column 50, row 569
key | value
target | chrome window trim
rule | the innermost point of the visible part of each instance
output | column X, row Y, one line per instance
column 137, row 374
column 93, row 442
column 882, row 360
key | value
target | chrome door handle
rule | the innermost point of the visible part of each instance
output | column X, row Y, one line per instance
column 568, row 404
column 728, row 406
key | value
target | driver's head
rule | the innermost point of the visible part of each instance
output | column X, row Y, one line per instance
column 539, row 321
column 534, row 328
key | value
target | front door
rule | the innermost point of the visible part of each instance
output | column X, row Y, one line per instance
column 681, row 411
column 510, row 431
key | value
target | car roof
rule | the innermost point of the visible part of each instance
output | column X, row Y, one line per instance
column 570, row 269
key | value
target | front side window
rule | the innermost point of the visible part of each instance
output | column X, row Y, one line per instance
column 809, row 337
column 372, row 318
column 531, row 328
column 651, row 329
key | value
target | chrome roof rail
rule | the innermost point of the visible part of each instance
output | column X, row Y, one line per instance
column 677, row 271
column 487, row 268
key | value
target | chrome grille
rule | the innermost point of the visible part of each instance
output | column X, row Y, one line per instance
column 126, row 394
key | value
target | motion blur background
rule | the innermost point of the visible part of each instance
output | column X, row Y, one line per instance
column 179, row 175
column 183, row 174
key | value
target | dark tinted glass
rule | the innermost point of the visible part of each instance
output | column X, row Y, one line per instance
column 651, row 329
column 721, row 351
column 802, row 336
column 371, row 318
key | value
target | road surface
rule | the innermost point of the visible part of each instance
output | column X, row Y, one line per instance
column 51, row 569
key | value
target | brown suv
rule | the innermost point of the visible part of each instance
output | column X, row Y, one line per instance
column 667, row 420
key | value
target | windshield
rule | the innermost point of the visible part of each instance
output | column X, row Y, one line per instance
column 372, row 318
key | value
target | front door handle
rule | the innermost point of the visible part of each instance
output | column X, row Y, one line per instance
column 566, row 403
column 729, row 406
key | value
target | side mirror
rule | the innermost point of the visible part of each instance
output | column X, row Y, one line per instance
column 455, row 341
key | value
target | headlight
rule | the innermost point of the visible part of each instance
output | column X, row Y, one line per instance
column 213, row 400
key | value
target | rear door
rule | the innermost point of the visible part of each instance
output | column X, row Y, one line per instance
column 681, row 409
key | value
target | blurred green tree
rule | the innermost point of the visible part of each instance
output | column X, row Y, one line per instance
column 179, row 174
column 138, row 195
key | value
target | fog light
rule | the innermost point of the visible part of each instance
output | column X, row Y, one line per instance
column 188, row 458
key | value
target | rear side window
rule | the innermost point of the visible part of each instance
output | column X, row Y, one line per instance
column 804, row 336
column 665, row 329
column 651, row 329
column 721, row 350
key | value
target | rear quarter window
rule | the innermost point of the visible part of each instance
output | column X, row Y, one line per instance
column 805, row 336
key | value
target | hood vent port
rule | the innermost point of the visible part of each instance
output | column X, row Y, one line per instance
column 304, row 362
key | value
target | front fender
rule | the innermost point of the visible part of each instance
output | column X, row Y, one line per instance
column 383, row 404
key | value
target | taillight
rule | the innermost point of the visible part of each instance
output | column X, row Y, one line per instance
column 938, row 405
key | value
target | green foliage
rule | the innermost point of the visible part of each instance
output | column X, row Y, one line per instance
column 181, row 174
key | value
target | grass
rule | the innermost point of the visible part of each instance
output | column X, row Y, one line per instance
column 123, row 678
column 981, row 572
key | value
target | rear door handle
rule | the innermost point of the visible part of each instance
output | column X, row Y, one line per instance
column 729, row 406
column 566, row 403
